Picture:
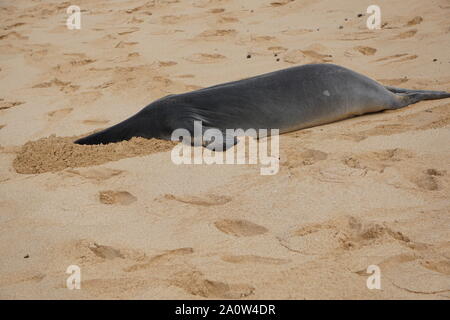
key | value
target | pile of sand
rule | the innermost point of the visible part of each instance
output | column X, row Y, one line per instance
column 58, row 153
column 368, row 191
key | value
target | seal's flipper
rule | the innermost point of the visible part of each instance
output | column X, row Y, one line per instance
column 397, row 90
column 408, row 97
column 437, row 94
column 405, row 97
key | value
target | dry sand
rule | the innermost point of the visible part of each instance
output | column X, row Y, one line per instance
column 369, row 190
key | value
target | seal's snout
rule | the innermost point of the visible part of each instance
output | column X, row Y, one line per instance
column 79, row 141
column 90, row 140
column 124, row 130
column 82, row 141
column 113, row 134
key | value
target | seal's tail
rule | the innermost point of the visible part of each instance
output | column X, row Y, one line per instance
column 124, row 130
column 410, row 96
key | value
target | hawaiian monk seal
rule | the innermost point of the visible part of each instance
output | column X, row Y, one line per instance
column 288, row 100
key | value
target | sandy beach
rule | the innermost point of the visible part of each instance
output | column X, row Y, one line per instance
column 370, row 190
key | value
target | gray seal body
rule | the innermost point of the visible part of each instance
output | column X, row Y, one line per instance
column 288, row 100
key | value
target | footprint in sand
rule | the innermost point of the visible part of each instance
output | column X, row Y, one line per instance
column 306, row 56
column 59, row 114
column 354, row 36
column 337, row 174
column 105, row 252
column 81, row 59
column 142, row 8
column 407, row 58
column 203, row 3
column 133, row 55
column 66, row 87
column 305, row 158
column 276, row 50
column 397, row 58
column 414, row 21
column 280, row 3
column 95, row 122
column 165, row 257
column 98, row 174
column 205, row 201
column 311, row 156
column 86, row 252
column 296, row 32
column 100, row 69
column 11, row 279
column 165, row 32
column 227, row 19
column 116, row 197
column 86, row 97
column 406, row 34
column 252, row 259
column 15, row 25
column 205, row 58
column 434, row 172
column 393, row 82
column 367, row 51
column 37, row 55
column 216, row 10
column 173, row 19
column 195, row 283
column 7, row 105
column 240, row 228
column 262, row 39
column 343, row 233
column 386, row 129
column 430, row 281
column 167, row 63
column 186, row 76
column 124, row 44
column 427, row 180
column 376, row 160
column 14, row 35
column 426, row 261
column 132, row 30
column 441, row 266
column 440, row 118
column 192, row 87
column 217, row 34
column 113, row 288
column 104, row 85
column 391, row 262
